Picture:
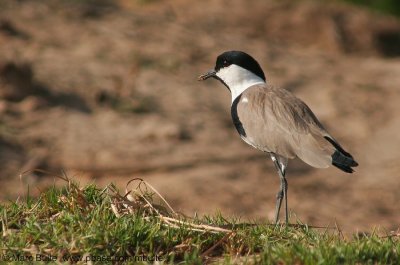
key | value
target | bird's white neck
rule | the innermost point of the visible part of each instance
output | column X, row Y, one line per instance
column 238, row 79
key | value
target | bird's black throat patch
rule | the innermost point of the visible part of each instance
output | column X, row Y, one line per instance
column 235, row 118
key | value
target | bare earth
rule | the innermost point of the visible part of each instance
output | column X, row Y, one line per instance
column 109, row 93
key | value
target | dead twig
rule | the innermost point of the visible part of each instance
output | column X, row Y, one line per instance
column 140, row 199
column 211, row 249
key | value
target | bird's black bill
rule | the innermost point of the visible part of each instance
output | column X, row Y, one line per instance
column 207, row 75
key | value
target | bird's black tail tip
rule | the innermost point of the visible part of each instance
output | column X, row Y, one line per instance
column 345, row 168
column 344, row 162
column 342, row 159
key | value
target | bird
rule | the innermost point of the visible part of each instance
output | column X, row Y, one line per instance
column 273, row 120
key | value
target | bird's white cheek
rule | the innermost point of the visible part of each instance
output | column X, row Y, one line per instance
column 222, row 74
column 238, row 79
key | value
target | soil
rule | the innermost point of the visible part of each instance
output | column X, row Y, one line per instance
column 107, row 91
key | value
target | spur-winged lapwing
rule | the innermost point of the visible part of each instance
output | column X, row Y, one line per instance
column 274, row 121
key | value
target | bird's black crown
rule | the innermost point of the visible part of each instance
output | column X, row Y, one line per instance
column 241, row 59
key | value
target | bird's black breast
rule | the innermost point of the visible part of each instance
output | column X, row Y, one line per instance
column 235, row 118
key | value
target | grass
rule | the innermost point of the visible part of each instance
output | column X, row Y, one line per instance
column 391, row 7
column 138, row 226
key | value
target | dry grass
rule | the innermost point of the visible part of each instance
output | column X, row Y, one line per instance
column 86, row 224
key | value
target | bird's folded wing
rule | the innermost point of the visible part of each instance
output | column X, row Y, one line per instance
column 276, row 121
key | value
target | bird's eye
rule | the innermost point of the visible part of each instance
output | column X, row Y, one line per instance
column 225, row 63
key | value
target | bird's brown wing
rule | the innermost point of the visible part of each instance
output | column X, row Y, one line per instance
column 274, row 120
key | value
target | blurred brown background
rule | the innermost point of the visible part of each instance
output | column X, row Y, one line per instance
column 108, row 91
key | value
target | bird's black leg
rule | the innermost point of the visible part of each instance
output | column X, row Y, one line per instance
column 286, row 203
column 278, row 204
column 283, row 189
